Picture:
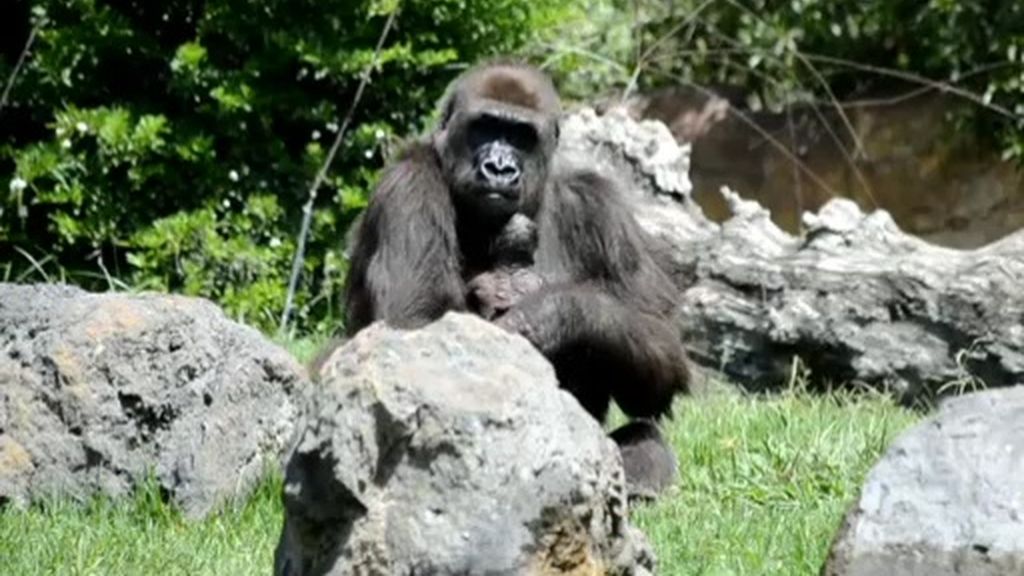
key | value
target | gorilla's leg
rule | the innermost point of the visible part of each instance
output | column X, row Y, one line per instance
column 649, row 461
column 601, row 346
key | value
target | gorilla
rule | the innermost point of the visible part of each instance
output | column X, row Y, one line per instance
column 480, row 216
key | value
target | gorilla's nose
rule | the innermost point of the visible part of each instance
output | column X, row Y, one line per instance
column 501, row 168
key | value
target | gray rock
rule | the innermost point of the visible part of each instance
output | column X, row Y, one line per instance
column 97, row 391
column 947, row 498
column 451, row 450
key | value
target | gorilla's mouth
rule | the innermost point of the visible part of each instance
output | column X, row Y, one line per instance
column 497, row 203
column 500, row 195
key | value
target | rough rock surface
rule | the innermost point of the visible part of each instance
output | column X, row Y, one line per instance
column 946, row 499
column 99, row 390
column 451, row 450
column 855, row 298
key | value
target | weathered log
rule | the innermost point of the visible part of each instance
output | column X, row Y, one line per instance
column 856, row 299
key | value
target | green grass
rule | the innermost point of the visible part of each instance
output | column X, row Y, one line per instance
column 140, row 536
column 765, row 483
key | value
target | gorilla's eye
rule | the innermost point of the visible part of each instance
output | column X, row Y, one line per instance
column 487, row 129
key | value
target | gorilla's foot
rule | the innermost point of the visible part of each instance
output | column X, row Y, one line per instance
column 649, row 461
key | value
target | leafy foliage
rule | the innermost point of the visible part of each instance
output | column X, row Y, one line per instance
column 171, row 144
column 781, row 53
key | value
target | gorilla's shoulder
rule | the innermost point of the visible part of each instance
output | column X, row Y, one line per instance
column 418, row 150
column 574, row 177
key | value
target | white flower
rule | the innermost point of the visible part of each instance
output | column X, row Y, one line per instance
column 226, row 203
column 82, row 127
column 275, row 242
column 59, row 131
column 316, row 134
column 332, row 126
column 65, row 144
column 17, row 185
column 368, row 154
column 233, row 175
column 379, row 134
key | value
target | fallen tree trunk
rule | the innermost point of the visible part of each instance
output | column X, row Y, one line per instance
column 855, row 299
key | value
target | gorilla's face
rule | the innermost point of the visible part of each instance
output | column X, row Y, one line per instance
column 496, row 158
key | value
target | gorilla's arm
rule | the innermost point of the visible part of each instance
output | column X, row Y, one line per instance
column 405, row 261
column 608, row 306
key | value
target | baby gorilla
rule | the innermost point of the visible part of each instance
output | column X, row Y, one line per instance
column 491, row 293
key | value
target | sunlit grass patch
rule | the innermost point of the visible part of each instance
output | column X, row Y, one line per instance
column 766, row 481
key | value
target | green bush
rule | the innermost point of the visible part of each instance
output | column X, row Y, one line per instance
column 170, row 145
column 782, row 53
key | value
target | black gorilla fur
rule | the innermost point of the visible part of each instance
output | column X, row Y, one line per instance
column 581, row 283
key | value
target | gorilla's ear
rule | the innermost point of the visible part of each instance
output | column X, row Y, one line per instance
column 447, row 112
column 439, row 136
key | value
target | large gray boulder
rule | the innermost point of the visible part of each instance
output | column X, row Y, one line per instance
column 97, row 391
column 947, row 499
column 451, row 450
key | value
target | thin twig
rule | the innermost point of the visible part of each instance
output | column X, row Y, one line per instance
column 926, row 83
column 850, row 161
column 307, row 209
column 565, row 51
column 642, row 59
column 881, row 102
column 750, row 122
column 814, row 105
column 746, row 119
column 798, row 195
column 690, row 18
column 918, row 79
column 17, row 67
column 858, row 145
